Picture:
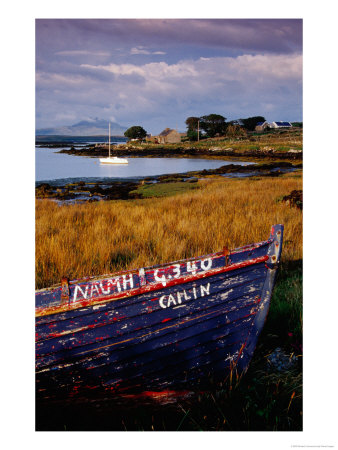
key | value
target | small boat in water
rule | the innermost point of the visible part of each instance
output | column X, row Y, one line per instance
column 113, row 159
column 171, row 327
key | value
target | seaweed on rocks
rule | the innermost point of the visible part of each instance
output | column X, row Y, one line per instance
column 124, row 190
column 164, row 152
column 118, row 190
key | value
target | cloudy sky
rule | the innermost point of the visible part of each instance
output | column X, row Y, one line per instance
column 156, row 73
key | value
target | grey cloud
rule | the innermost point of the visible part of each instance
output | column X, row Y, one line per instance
column 84, row 68
column 81, row 52
column 137, row 91
column 273, row 35
column 143, row 51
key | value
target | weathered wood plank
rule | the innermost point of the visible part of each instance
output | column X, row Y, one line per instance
column 184, row 296
column 128, row 330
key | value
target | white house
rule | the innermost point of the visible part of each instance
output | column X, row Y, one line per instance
column 280, row 125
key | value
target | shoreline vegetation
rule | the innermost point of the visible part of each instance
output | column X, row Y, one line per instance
column 130, row 189
column 284, row 145
column 180, row 151
column 174, row 219
column 269, row 154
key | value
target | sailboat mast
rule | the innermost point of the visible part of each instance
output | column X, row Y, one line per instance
column 109, row 140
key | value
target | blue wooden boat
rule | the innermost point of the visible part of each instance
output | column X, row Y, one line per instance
column 172, row 327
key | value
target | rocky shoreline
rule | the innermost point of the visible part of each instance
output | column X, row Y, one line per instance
column 179, row 152
column 83, row 191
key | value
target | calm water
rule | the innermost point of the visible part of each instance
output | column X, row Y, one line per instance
column 79, row 140
column 50, row 165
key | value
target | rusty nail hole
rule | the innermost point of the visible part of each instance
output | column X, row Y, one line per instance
column 278, row 232
column 274, row 258
column 277, row 244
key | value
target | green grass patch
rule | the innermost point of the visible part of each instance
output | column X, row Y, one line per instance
column 164, row 189
column 282, row 148
column 285, row 318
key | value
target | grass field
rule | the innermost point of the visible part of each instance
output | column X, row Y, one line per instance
column 164, row 189
column 97, row 238
column 280, row 140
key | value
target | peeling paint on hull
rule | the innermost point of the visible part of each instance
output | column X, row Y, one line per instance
column 165, row 328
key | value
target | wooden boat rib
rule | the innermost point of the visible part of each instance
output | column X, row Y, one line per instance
column 181, row 325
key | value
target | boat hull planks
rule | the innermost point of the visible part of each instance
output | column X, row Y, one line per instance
column 182, row 325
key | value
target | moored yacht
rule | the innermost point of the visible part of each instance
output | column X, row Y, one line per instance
column 113, row 159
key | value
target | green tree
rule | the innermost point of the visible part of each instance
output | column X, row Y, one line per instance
column 297, row 124
column 192, row 135
column 213, row 124
column 192, row 123
column 251, row 122
column 135, row 132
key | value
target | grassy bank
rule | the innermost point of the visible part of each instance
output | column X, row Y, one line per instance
column 91, row 239
column 280, row 141
column 97, row 238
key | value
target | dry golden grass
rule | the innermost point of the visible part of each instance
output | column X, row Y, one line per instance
column 97, row 238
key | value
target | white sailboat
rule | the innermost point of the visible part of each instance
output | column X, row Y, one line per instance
column 113, row 159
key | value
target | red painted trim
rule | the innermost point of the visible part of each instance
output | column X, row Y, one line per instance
column 147, row 288
column 181, row 262
column 165, row 396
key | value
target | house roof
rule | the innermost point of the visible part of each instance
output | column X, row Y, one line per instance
column 283, row 124
column 166, row 132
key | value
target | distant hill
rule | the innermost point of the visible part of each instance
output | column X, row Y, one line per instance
column 95, row 127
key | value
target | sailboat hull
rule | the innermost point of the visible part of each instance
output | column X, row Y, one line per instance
column 113, row 160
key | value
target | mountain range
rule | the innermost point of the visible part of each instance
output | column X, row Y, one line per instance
column 92, row 127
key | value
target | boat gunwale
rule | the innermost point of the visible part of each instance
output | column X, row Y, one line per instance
column 44, row 311
column 156, row 266
column 182, row 317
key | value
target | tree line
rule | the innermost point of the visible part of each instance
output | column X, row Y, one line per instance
column 212, row 125
column 215, row 124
